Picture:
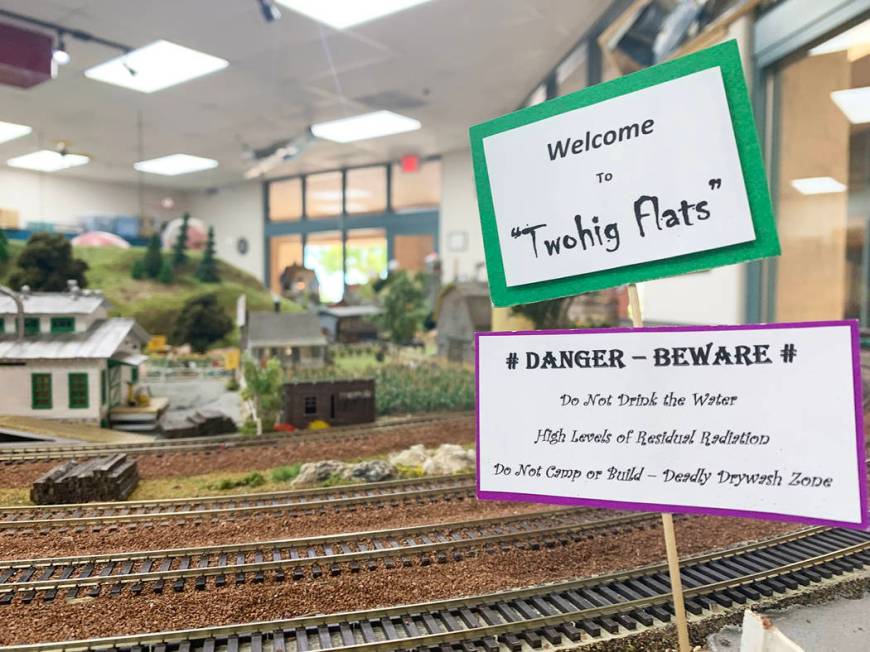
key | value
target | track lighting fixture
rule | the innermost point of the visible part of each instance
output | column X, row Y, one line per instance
column 59, row 54
column 270, row 12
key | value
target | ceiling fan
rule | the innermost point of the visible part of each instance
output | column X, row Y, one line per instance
column 62, row 147
column 270, row 157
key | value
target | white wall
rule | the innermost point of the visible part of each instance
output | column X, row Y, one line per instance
column 234, row 212
column 16, row 397
column 717, row 296
column 459, row 215
column 62, row 200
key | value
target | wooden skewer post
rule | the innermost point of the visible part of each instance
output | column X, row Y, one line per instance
column 667, row 520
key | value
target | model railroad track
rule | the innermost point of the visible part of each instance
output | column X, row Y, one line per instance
column 92, row 515
column 196, row 444
column 557, row 613
column 153, row 571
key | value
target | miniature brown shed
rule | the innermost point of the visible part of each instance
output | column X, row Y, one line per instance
column 337, row 402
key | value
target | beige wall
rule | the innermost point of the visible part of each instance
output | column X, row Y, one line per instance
column 814, row 142
column 459, row 214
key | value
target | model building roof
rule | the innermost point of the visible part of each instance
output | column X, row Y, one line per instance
column 83, row 302
column 475, row 296
column 100, row 341
column 351, row 311
column 267, row 329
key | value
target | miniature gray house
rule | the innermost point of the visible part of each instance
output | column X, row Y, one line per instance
column 72, row 361
column 294, row 338
column 347, row 324
column 464, row 309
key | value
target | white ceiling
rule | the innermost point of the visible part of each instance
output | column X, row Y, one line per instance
column 461, row 61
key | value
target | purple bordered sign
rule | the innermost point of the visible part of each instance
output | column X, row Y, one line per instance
column 759, row 421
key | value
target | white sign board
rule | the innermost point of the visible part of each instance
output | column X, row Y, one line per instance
column 659, row 148
column 655, row 174
column 760, row 421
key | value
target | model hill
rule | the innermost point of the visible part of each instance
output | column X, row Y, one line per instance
column 153, row 304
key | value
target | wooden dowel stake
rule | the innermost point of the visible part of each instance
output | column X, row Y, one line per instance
column 667, row 520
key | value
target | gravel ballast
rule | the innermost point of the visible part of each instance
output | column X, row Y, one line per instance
column 128, row 614
column 263, row 527
column 287, row 451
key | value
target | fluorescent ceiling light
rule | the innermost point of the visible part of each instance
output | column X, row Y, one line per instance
column 817, row 185
column 156, row 66
column 854, row 103
column 367, row 125
column 856, row 39
column 175, row 164
column 11, row 131
column 47, row 160
column 345, row 13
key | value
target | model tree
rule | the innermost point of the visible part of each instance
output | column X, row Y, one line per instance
column 207, row 272
column 47, row 263
column 403, row 307
column 137, row 270
column 262, row 392
column 167, row 274
column 201, row 323
column 4, row 247
column 552, row 313
column 153, row 261
column 179, row 250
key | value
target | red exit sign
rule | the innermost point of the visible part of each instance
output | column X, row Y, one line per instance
column 410, row 163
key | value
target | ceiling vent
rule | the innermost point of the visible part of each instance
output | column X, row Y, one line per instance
column 393, row 100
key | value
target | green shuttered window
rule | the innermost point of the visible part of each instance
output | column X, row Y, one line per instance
column 40, row 391
column 63, row 324
column 78, row 390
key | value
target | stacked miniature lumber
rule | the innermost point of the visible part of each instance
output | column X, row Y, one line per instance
column 98, row 479
column 200, row 423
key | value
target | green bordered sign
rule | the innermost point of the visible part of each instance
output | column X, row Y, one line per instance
column 654, row 174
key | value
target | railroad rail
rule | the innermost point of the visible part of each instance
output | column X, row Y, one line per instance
column 581, row 609
column 394, row 492
column 300, row 558
column 188, row 444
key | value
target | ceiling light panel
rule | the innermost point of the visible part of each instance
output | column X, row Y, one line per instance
column 857, row 37
column 11, row 131
column 854, row 103
column 364, row 126
column 47, row 160
column 156, row 66
column 817, row 185
column 341, row 14
column 175, row 164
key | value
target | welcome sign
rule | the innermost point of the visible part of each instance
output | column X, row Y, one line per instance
column 760, row 421
column 650, row 175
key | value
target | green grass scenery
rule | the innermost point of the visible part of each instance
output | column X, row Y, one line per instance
column 151, row 303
